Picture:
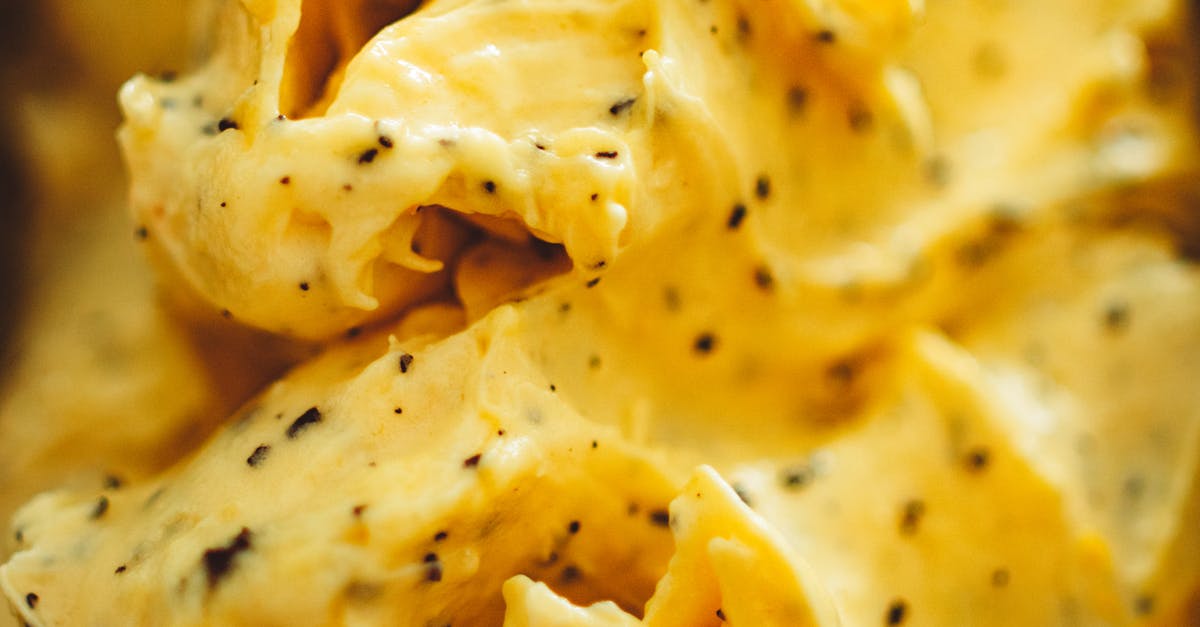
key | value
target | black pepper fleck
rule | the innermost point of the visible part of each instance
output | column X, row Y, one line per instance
column 660, row 517
column 911, row 515
column 859, row 118
column 606, row 154
column 112, row 482
column 406, row 361
column 353, row 332
column 258, row 456
column 218, row 561
column 1143, row 605
column 120, row 569
column 439, row 536
column 571, row 574
column 705, row 343
column 472, row 461
column 367, row 156
column 31, row 600
column 433, row 572
column 304, row 286
column 978, row 459
column 825, row 36
column 621, row 106
column 489, row 186
column 763, row 278
column 398, row 411
column 309, row 417
column 592, row 283
column 720, row 614
column 100, row 508
column 896, row 612
column 573, row 527
column 226, row 124
column 762, row 187
column 1000, row 577
column 141, row 233
column 385, row 141
column 736, row 216
column 285, row 180
column 743, row 27
column 796, row 477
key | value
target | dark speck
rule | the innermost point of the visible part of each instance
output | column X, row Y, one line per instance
column 571, row 574
column 896, row 612
column 911, row 515
column 112, row 482
column 743, row 27
column 141, row 233
column 304, row 286
column 258, row 456
column 606, row 154
column 385, row 141
column 358, row 510
column 120, row 569
column 826, row 36
column 1116, row 317
column 309, row 417
column 720, row 614
column 406, row 361
column 368, row 156
column 796, row 477
column 439, row 536
column 219, row 561
column 978, row 459
column 860, row 118
column 842, row 372
column 797, row 98
column 621, row 106
column 763, row 278
column 100, row 508
column 660, row 517
column 736, row 216
column 762, row 187
column 705, row 343
column 398, row 411
column 1000, row 577
column 1143, row 605
column 573, row 527
column 285, row 180
column 31, row 600
column 489, row 186
column 472, row 461
column 226, row 124
column 433, row 571
column 592, row 283
column 430, row 558
column 353, row 332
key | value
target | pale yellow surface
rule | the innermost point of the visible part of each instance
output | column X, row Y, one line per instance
column 914, row 306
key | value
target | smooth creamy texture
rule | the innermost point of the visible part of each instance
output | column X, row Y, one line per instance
column 925, row 298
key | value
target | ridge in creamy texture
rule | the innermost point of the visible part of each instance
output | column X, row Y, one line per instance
column 913, row 305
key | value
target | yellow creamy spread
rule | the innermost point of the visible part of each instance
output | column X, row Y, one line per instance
column 663, row 312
